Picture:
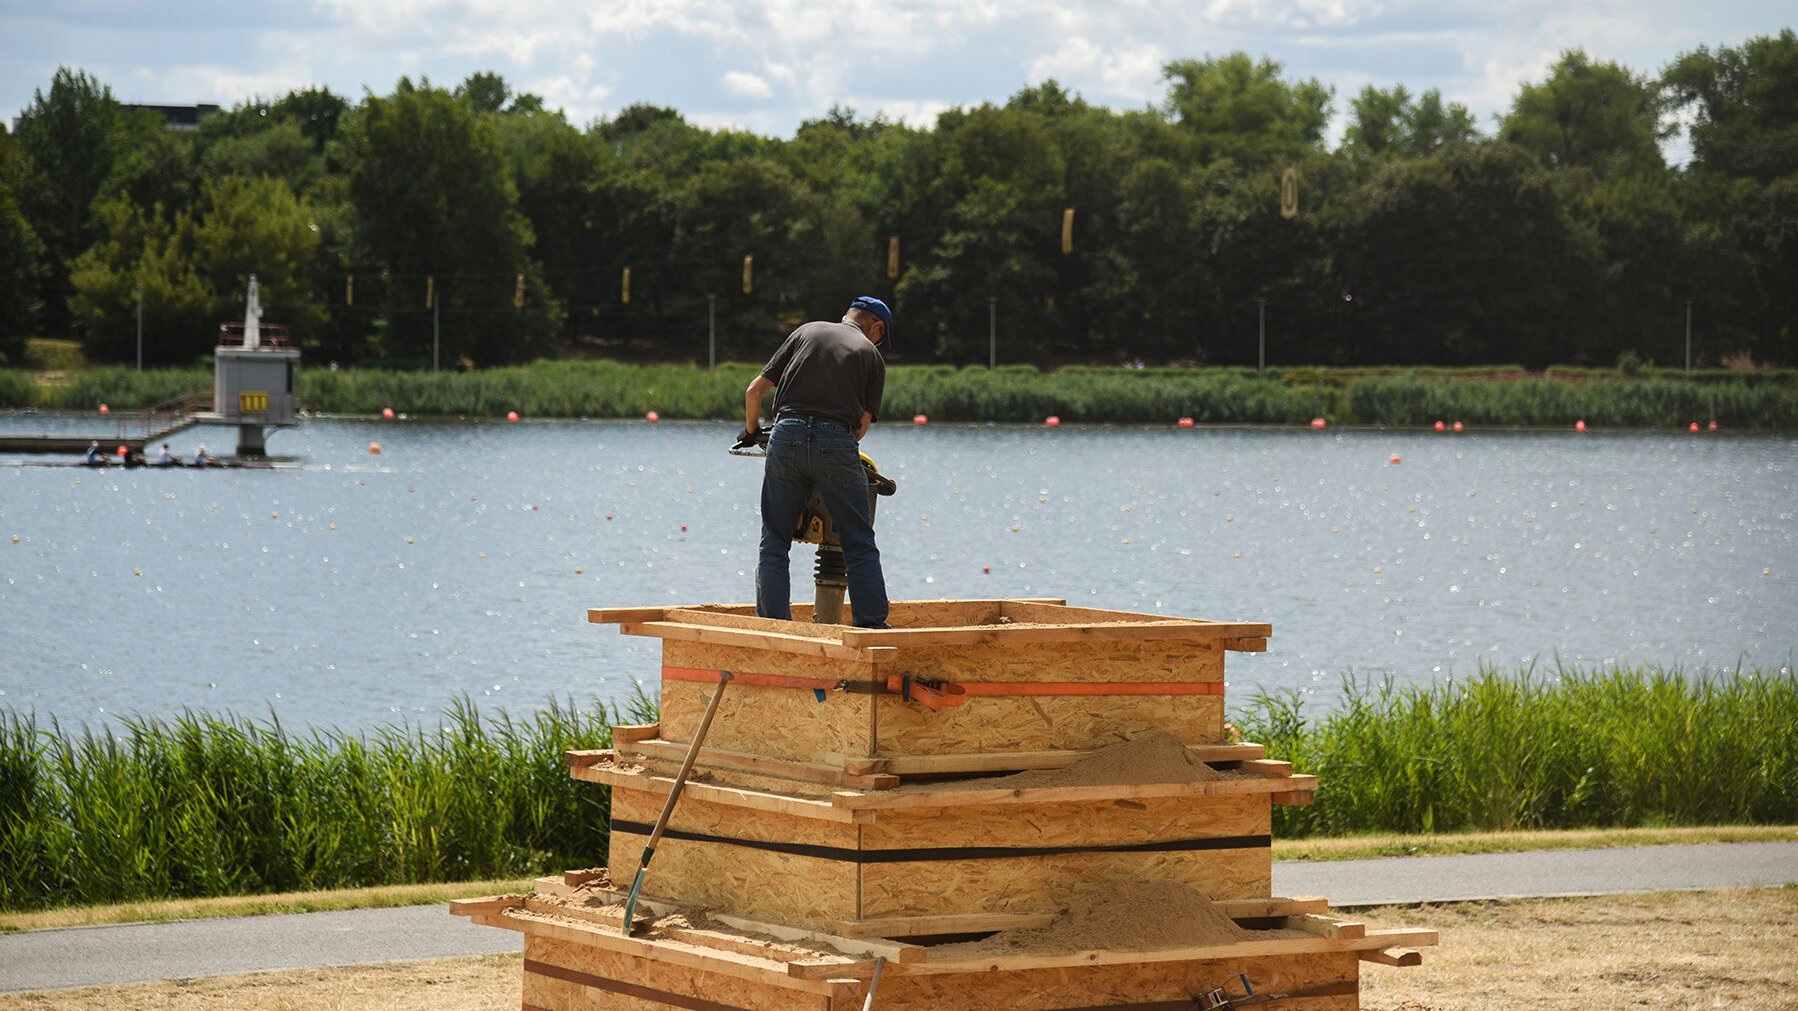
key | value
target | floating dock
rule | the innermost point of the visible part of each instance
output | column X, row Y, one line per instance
column 993, row 804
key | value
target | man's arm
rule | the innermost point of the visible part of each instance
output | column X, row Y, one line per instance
column 867, row 419
column 752, row 402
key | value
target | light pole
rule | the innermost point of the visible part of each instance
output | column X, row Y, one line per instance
column 711, row 329
column 1261, row 324
column 992, row 332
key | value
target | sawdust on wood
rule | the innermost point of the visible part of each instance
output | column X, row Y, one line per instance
column 1118, row 916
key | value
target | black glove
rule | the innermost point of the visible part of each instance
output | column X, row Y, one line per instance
column 747, row 438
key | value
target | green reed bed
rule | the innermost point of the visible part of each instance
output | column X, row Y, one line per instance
column 201, row 805
column 1541, row 749
column 1019, row 393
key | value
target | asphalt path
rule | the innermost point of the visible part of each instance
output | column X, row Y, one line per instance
column 139, row 952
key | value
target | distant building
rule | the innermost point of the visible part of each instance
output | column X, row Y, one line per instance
column 179, row 117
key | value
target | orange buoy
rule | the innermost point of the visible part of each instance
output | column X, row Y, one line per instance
column 1579, row 426
column 511, row 415
column 986, row 568
column 920, row 419
column 683, row 528
column 1052, row 421
column 1693, row 427
column 1440, row 426
column 105, row 410
column 387, row 412
column 374, row 449
column 1395, row 459
column 652, row 416
column 1457, row 426
column 123, row 452
column 1185, row 422
column 1318, row 422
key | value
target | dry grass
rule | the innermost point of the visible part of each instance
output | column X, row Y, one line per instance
column 166, row 910
column 1367, row 847
column 1677, row 950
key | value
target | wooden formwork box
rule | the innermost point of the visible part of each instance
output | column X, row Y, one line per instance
column 810, row 810
column 579, row 960
column 1030, row 667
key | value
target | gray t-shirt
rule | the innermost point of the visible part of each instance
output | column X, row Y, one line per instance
column 827, row 370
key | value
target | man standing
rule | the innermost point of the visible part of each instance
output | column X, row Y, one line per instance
column 828, row 379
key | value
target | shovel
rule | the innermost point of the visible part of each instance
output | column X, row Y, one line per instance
column 655, row 836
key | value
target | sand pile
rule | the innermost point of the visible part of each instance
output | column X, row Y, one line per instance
column 1118, row 916
column 1160, row 758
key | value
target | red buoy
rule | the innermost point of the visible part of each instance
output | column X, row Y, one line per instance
column 1579, row 426
column 105, row 410
column 1318, row 422
column 920, row 419
column 123, row 452
column 387, row 412
column 1457, row 426
column 1185, row 422
column 652, row 416
column 511, row 415
column 1052, row 421
column 374, row 449
column 1440, row 426
column 1693, row 427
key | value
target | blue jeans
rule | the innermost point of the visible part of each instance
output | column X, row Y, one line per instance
column 803, row 454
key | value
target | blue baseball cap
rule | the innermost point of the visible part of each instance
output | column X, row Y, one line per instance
column 874, row 305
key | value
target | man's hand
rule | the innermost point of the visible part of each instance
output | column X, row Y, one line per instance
column 747, row 439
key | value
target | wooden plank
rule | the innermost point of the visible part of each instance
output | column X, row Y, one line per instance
column 1327, row 926
column 889, row 950
column 681, row 953
column 797, row 807
column 926, row 926
column 1267, row 768
column 835, row 969
column 810, row 772
column 1008, row 634
column 1019, row 761
column 631, row 735
column 752, row 623
column 904, row 798
column 1245, row 644
column 778, row 642
column 567, row 976
column 487, row 904
column 582, row 759
column 621, row 615
column 1295, row 798
column 639, row 922
column 1249, row 909
column 1402, row 957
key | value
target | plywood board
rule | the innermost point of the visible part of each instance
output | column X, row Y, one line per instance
column 1098, row 823
column 1042, row 724
column 1077, row 986
column 698, row 861
column 563, row 974
column 783, row 723
column 1031, row 884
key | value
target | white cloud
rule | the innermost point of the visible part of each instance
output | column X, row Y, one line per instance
column 747, row 85
column 1130, row 71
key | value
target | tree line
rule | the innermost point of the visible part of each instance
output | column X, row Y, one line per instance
column 474, row 223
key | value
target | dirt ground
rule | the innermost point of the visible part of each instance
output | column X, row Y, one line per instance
column 1682, row 950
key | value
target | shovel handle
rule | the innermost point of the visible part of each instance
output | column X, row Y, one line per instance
column 680, row 781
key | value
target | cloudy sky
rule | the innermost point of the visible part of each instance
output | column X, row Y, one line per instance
column 768, row 65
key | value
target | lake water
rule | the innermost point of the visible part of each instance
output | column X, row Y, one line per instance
column 361, row 589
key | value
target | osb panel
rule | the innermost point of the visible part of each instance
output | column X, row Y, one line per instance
column 686, row 982
column 720, row 776
column 1085, row 823
column 942, row 613
column 1113, row 660
column 694, row 815
column 1044, row 723
column 1042, row 883
column 779, row 722
column 760, row 884
column 1143, row 983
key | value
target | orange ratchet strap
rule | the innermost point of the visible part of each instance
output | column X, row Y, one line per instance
column 936, row 695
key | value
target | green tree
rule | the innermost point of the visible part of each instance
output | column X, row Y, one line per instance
column 64, row 153
column 1598, row 116
column 192, row 268
column 1744, row 104
column 1390, row 122
column 1238, row 108
column 436, row 213
column 21, row 269
column 1462, row 257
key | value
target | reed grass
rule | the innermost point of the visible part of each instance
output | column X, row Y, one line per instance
column 1553, row 749
column 1501, row 397
column 200, row 805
